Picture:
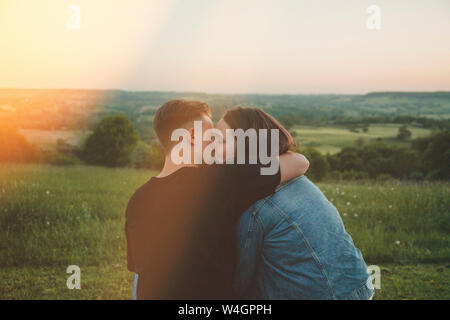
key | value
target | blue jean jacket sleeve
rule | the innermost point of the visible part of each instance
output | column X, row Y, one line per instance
column 250, row 241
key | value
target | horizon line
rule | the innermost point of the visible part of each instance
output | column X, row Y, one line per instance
column 221, row 93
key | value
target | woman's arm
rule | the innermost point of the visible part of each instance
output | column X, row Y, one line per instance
column 247, row 184
column 292, row 165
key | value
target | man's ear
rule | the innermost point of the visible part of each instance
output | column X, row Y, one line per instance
column 191, row 134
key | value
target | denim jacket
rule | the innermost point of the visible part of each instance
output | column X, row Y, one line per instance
column 293, row 245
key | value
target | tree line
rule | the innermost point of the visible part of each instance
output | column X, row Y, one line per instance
column 115, row 142
column 427, row 159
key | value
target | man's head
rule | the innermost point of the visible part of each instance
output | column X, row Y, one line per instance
column 176, row 114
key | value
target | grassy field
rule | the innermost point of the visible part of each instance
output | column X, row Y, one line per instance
column 333, row 139
column 52, row 217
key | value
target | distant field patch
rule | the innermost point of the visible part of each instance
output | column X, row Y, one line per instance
column 46, row 139
column 333, row 139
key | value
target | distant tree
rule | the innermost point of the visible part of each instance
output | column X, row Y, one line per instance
column 289, row 120
column 374, row 162
column 350, row 160
column 403, row 162
column 403, row 133
column 437, row 156
column 421, row 144
column 359, row 142
column 319, row 166
column 111, row 142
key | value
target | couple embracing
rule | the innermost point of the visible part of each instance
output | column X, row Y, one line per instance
column 233, row 228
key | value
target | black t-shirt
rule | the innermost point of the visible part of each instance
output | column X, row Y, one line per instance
column 181, row 229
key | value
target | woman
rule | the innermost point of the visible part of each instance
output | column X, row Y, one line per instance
column 293, row 244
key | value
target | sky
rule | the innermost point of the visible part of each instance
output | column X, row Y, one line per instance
column 226, row 46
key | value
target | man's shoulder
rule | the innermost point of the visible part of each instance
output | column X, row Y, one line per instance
column 141, row 195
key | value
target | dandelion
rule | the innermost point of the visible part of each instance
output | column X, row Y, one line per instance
column 342, row 193
column 348, row 203
column 344, row 214
column 397, row 242
column 48, row 223
column 390, row 206
column 355, row 196
column 47, row 192
column 355, row 215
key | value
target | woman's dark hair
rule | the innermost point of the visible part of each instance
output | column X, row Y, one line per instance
column 245, row 118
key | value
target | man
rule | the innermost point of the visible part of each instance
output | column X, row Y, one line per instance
column 180, row 225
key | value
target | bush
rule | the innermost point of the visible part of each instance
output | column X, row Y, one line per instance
column 416, row 175
column 335, row 175
column 403, row 162
column 354, row 175
column 319, row 166
column 436, row 159
column 150, row 156
column 111, row 143
column 384, row 177
column 433, row 175
column 403, row 133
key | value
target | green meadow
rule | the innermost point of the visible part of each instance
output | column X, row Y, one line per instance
column 53, row 217
column 331, row 139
